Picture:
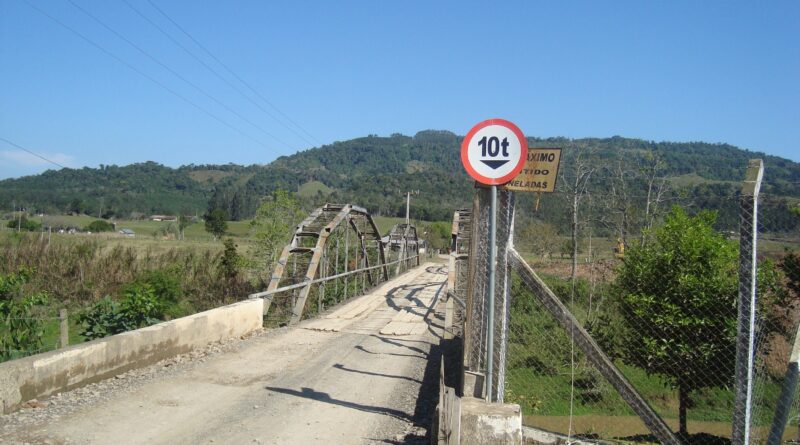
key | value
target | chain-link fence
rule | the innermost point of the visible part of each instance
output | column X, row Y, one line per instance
column 479, row 356
column 458, row 268
column 775, row 350
column 655, row 284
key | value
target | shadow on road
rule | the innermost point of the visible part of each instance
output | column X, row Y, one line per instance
column 428, row 394
column 414, row 289
column 397, row 342
column 427, row 398
column 310, row 393
column 438, row 270
column 377, row 374
column 363, row 349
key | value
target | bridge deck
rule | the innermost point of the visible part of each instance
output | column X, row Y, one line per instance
column 351, row 377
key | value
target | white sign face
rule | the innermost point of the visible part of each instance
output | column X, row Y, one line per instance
column 494, row 151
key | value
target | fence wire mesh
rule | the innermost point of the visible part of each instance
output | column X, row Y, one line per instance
column 778, row 313
column 458, row 279
column 657, row 289
column 41, row 330
column 476, row 344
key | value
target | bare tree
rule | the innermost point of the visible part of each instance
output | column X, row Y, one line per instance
column 657, row 188
column 622, row 205
column 577, row 188
column 635, row 194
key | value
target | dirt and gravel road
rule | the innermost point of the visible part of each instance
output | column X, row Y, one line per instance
column 364, row 373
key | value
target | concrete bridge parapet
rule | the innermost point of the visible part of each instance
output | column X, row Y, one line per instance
column 63, row 369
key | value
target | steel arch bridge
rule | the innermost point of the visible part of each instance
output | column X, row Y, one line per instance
column 336, row 253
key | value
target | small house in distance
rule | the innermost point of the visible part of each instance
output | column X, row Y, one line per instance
column 127, row 232
column 163, row 218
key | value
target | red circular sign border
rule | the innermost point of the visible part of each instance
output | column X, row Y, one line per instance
column 523, row 152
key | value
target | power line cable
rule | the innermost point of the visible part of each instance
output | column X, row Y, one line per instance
column 215, row 72
column 232, row 73
column 146, row 76
column 31, row 152
column 176, row 74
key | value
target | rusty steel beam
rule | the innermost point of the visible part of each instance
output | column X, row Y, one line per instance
column 380, row 246
column 297, row 312
column 309, row 228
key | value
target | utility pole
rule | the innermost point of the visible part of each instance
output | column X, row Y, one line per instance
column 408, row 205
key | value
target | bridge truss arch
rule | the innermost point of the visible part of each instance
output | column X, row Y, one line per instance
column 336, row 253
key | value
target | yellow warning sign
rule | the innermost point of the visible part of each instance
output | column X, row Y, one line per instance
column 540, row 171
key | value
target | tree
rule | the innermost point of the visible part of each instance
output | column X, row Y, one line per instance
column 540, row 238
column 577, row 187
column 23, row 223
column 21, row 332
column 620, row 210
column 657, row 188
column 99, row 226
column 230, row 260
column 678, row 296
column 215, row 222
column 791, row 268
column 272, row 227
column 183, row 222
column 438, row 235
column 141, row 307
column 76, row 206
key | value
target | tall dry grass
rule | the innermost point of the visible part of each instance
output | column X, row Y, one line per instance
column 77, row 272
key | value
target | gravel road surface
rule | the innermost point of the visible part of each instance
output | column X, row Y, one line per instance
column 364, row 373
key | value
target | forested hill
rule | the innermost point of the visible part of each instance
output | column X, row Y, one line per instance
column 372, row 171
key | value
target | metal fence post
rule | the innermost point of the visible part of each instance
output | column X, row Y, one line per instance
column 787, row 392
column 745, row 338
column 472, row 322
column 485, row 347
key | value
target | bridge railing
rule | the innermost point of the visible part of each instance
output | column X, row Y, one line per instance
column 335, row 254
column 326, row 279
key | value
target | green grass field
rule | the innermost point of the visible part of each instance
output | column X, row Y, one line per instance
column 311, row 188
column 385, row 223
column 149, row 235
column 196, row 231
column 147, row 228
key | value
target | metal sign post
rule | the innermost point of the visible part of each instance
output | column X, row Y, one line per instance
column 493, row 153
column 492, row 273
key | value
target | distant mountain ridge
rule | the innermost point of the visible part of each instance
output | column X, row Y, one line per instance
column 372, row 171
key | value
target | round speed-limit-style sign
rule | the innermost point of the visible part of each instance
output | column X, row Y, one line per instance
column 494, row 151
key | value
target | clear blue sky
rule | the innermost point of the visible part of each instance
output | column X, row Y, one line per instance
column 680, row 71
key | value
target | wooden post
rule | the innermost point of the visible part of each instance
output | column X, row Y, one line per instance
column 63, row 320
